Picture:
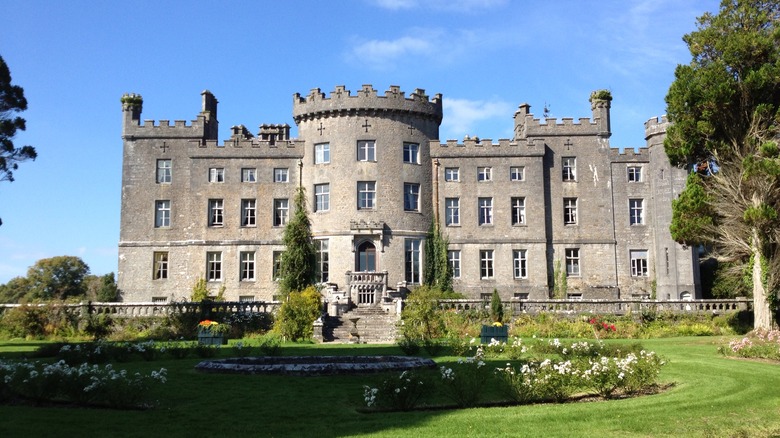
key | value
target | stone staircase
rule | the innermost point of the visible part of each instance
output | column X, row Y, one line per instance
column 374, row 326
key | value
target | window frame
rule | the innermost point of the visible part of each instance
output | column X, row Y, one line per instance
column 634, row 174
column 569, row 169
column 160, row 263
column 484, row 173
column 452, row 174
column 486, row 264
column 412, row 197
column 573, row 265
column 322, row 153
column 452, row 212
column 520, row 264
column 639, row 261
column 636, row 211
column 281, row 175
column 281, row 211
column 517, row 207
column 366, row 191
column 570, row 213
column 247, row 262
column 164, row 174
column 366, row 151
column 412, row 261
column 322, row 260
column 249, row 212
column 162, row 213
column 322, row 198
column 516, row 173
column 216, row 213
column 411, row 153
column 248, row 175
column 454, row 258
column 485, row 212
column 214, row 266
column 216, row 175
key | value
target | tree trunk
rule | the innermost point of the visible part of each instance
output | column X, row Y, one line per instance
column 762, row 314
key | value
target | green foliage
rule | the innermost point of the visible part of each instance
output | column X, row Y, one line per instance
column 437, row 272
column 12, row 101
column 298, row 313
column 57, row 278
column 398, row 393
column 692, row 215
column 297, row 265
column 36, row 322
column 270, row 344
column 201, row 292
column 98, row 326
column 421, row 317
column 601, row 95
column 496, row 308
column 101, row 288
column 15, row 290
column 725, row 110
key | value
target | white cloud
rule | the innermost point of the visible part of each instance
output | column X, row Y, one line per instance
column 440, row 5
column 463, row 115
column 446, row 47
column 382, row 54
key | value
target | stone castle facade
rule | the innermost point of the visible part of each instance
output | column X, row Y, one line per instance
column 517, row 213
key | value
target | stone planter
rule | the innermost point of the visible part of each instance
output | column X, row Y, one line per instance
column 205, row 337
column 500, row 334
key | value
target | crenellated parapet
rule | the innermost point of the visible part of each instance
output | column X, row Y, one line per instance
column 656, row 126
column 341, row 102
column 204, row 127
column 629, row 155
column 476, row 147
column 528, row 126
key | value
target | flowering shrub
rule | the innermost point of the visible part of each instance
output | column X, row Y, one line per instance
column 84, row 385
column 464, row 381
column 628, row 375
column 764, row 344
column 213, row 327
column 401, row 393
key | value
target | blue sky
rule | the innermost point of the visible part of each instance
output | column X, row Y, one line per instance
column 75, row 59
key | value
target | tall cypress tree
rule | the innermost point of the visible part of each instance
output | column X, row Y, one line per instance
column 438, row 272
column 297, row 265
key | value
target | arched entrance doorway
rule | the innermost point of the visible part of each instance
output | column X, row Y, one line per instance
column 366, row 257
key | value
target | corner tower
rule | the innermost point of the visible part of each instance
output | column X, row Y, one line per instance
column 367, row 174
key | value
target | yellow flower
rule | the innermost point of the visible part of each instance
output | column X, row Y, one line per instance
column 497, row 324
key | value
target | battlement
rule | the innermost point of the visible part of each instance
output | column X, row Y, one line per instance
column 204, row 127
column 528, row 126
column 628, row 155
column 656, row 126
column 475, row 146
column 341, row 102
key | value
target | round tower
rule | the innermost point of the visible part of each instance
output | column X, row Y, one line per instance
column 367, row 175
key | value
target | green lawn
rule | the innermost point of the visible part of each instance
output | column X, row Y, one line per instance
column 712, row 396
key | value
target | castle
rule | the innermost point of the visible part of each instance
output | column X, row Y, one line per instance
column 519, row 214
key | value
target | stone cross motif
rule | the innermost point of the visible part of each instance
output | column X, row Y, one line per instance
column 366, row 125
column 568, row 144
column 411, row 129
column 164, row 147
column 321, row 128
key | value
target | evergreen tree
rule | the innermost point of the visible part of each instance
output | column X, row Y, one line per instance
column 12, row 100
column 437, row 272
column 297, row 265
column 725, row 112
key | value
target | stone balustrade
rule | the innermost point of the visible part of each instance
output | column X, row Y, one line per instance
column 366, row 288
column 143, row 309
column 615, row 307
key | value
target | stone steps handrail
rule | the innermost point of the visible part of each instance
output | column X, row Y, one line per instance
column 604, row 306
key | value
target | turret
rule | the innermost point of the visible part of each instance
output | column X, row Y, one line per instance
column 600, row 103
column 131, row 108
column 209, row 113
column 520, row 115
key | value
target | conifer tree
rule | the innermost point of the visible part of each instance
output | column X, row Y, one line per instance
column 297, row 265
column 725, row 112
